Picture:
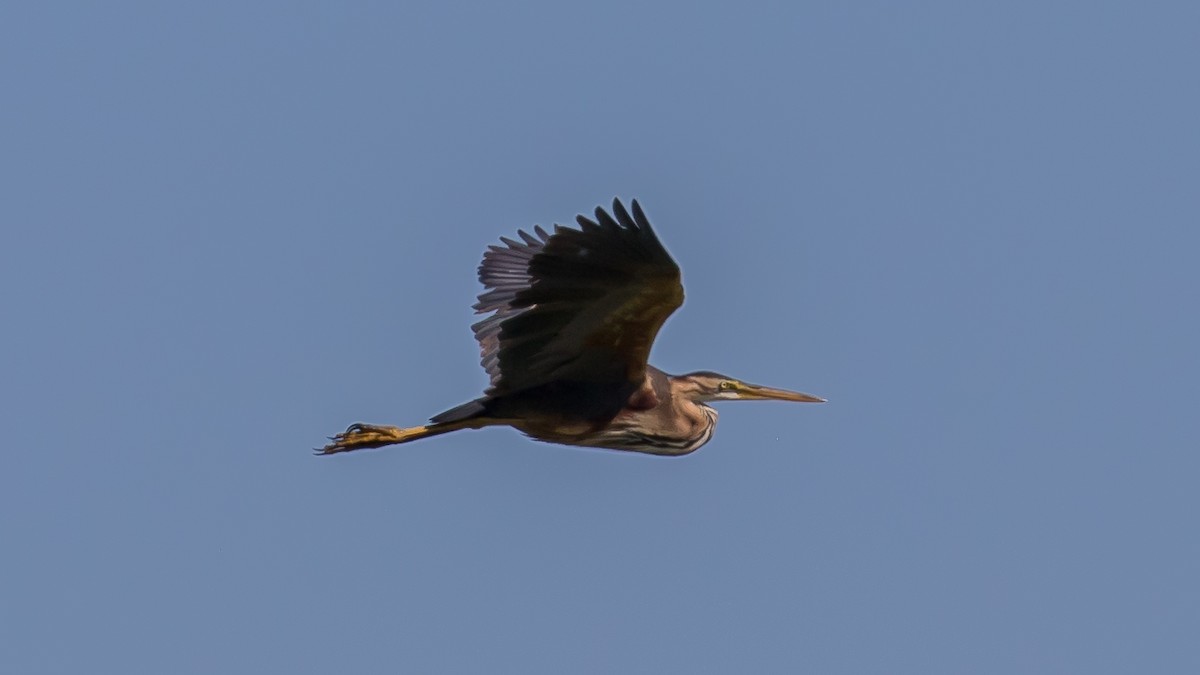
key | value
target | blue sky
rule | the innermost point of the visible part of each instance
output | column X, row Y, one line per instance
column 231, row 229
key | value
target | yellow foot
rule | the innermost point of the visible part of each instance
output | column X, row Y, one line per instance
column 361, row 436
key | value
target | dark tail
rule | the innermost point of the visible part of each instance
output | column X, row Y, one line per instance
column 462, row 412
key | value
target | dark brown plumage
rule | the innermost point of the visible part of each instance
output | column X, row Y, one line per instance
column 574, row 314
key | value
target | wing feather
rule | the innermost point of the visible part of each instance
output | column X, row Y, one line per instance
column 582, row 305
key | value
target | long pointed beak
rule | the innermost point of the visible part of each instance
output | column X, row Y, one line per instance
column 754, row 392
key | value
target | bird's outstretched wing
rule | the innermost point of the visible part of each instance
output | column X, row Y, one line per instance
column 576, row 305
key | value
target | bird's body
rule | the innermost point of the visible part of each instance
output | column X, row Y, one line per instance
column 653, row 420
column 573, row 317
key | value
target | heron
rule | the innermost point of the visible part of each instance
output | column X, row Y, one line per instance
column 572, row 315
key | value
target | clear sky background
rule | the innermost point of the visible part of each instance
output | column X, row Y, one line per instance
column 231, row 229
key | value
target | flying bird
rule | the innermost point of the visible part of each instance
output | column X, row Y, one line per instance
column 573, row 314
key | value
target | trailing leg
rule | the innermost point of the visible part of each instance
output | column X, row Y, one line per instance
column 362, row 436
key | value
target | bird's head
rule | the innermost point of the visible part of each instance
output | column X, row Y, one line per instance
column 706, row 385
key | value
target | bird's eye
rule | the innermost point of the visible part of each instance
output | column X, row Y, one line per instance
column 727, row 386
